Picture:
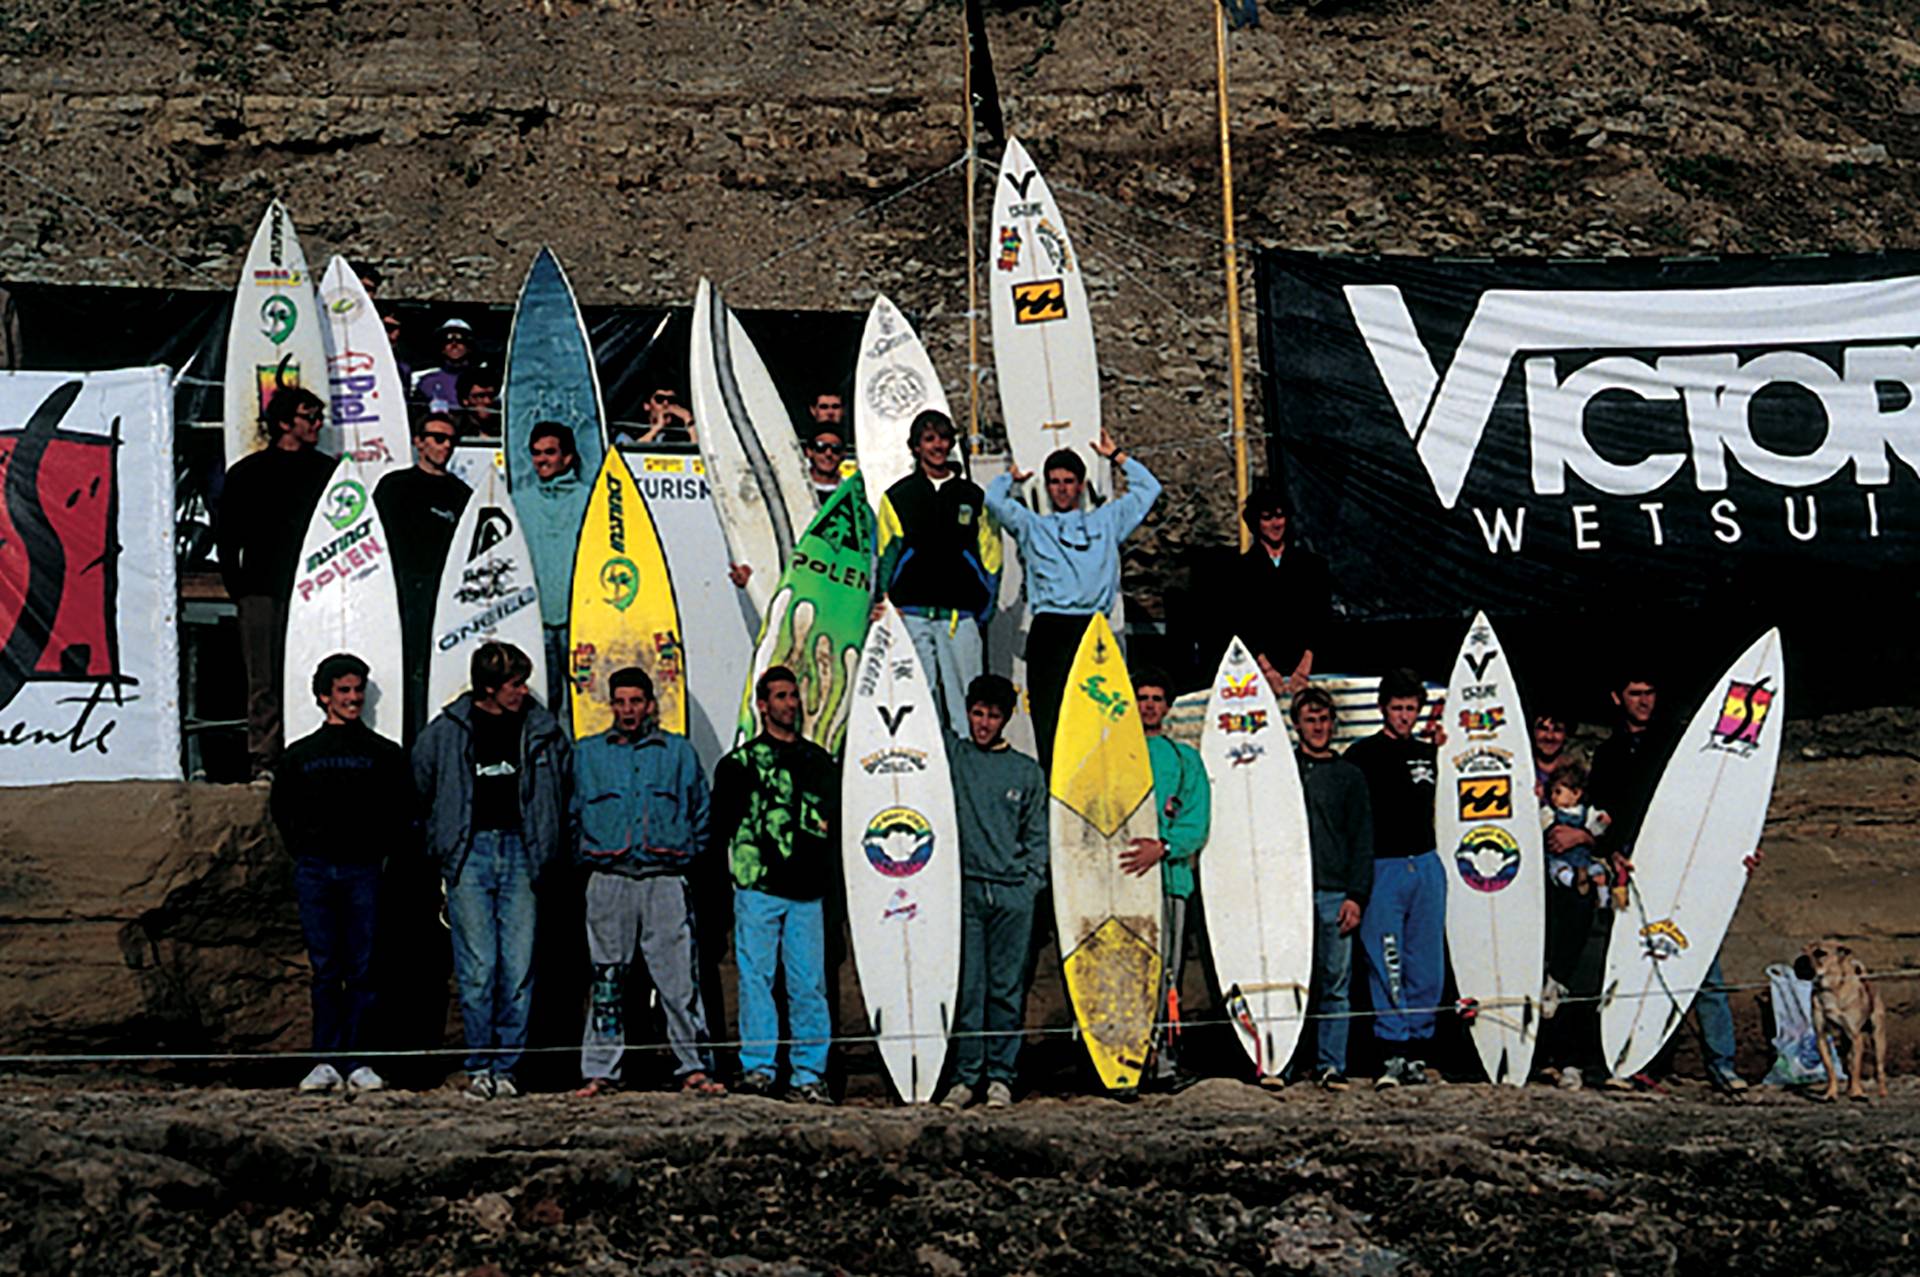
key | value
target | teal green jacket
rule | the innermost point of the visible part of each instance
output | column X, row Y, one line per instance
column 1185, row 802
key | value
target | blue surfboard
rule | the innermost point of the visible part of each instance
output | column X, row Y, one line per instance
column 550, row 377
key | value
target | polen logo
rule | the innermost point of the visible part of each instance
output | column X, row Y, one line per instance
column 1875, row 322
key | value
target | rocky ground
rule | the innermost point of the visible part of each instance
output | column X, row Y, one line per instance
column 129, row 1177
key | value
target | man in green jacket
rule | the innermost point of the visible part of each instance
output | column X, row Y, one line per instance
column 1184, row 801
column 1000, row 798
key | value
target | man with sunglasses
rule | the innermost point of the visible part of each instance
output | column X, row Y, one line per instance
column 826, row 448
column 668, row 420
column 419, row 508
column 439, row 388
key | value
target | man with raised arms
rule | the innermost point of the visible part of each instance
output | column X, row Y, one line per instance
column 940, row 564
column 1071, row 560
column 1184, row 800
column 640, row 803
column 1340, row 838
column 775, row 815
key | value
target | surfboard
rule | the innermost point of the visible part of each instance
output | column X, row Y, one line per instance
column 273, row 339
column 1044, row 362
column 816, row 622
column 344, row 600
column 1108, row 921
column 900, row 853
column 748, row 444
column 624, row 611
column 368, row 420
column 551, row 377
column 486, row 592
column 1486, row 823
column 897, row 382
column 1257, row 874
column 1688, row 872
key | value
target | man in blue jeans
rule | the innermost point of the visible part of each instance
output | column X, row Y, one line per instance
column 1340, row 836
column 775, row 802
column 344, row 806
column 496, row 773
column 1404, row 932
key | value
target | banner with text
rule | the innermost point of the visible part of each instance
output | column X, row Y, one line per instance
column 89, row 655
column 1558, row 436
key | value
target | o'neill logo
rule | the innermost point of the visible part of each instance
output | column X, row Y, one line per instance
column 1728, row 346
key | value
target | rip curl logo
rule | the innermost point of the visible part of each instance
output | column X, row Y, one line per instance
column 619, row 583
column 346, row 501
column 1743, row 712
column 278, row 318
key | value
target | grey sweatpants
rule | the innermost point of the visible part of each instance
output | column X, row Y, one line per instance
column 656, row 915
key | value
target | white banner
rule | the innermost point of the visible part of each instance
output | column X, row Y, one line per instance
column 89, row 636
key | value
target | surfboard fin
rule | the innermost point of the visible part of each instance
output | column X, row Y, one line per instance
column 1505, row 1067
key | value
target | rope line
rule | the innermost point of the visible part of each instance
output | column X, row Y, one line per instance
column 106, row 221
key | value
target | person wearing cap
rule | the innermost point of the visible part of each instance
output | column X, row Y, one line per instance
column 438, row 389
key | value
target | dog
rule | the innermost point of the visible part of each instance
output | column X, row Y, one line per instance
column 1845, row 1003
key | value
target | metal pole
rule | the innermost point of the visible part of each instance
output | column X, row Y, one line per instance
column 1233, row 278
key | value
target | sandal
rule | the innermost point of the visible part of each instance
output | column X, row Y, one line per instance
column 596, row 1087
column 697, row 1083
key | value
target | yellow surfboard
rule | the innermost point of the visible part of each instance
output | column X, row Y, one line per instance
column 1109, row 920
column 623, row 607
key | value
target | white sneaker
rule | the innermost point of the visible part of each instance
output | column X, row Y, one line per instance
column 1570, row 1079
column 958, row 1097
column 365, row 1079
column 322, row 1079
column 480, row 1086
column 999, row 1095
column 503, row 1087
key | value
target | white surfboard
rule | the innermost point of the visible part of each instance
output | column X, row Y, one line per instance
column 1688, row 872
column 344, row 600
column 368, row 421
column 895, row 382
column 487, row 591
column 900, row 853
column 1044, row 363
column 273, row 340
column 1257, row 875
column 748, row 445
column 1486, row 823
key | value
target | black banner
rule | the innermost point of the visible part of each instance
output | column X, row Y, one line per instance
column 1560, row 437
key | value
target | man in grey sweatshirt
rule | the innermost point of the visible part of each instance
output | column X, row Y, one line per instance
column 1340, row 834
column 1000, row 798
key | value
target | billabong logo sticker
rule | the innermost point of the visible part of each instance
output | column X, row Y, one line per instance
column 898, row 842
column 1040, row 302
column 1486, row 798
column 1488, row 858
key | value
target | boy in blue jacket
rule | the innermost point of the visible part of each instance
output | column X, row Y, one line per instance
column 641, row 803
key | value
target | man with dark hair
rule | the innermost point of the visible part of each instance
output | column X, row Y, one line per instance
column 825, row 446
column 1001, row 800
column 557, row 478
column 940, row 564
column 344, row 803
column 1282, row 592
column 1184, row 799
column 478, row 387
column 496, row 773
column 439, row 388
column 1071, row 558
column 420, row 507
column 775, row 807
column 262, row 519
column 640, row 802
column 1340, row 838
column 1404, row 930
column 668, row 420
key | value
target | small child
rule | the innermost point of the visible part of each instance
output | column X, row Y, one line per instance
column 1567, row 805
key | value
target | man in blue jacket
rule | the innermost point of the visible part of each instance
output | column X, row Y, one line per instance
column 1071, row 558
column 496, row 773
column 641, row 802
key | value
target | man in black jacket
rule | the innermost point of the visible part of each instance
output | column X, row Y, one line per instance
column 1340, row 836
column 343, row 799
column 1283, row 592
column 419, row 508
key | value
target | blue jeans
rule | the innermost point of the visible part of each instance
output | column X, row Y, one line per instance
column 338, row 907
column 1332, row 972
column 996, row 926
column 1404, row 932
column 770, row 930
column 491, row 909
column 1716, row 1021
column 951, row 656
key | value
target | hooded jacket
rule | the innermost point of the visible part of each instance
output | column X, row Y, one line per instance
column 443, row 775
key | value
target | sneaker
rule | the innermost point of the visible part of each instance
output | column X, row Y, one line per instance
column 323, row 1079
column 754, row 1083
column 365, row 1079
column 1330, row 1079
column 1570, row 1079
column 960, row 1096
column 480, row 1086
column 504, row 1087
column 999, row 1095
column 1393, row 1075
column 1729, row 1081
column 811, row 1093
column 1416, row 1074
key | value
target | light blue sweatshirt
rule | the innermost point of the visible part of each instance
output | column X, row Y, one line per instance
column 1072, row 560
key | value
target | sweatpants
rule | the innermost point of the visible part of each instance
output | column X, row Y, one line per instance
column 951, row 653
column 996, row 923
column 1173, row 955
column 1403, row 931
column 771, row 931
column 655, row 916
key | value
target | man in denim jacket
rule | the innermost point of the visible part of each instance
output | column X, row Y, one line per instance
column 641, row 802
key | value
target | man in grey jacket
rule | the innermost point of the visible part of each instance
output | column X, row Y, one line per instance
column 1000, row 798
column 1340, row 835
column 496, row 774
